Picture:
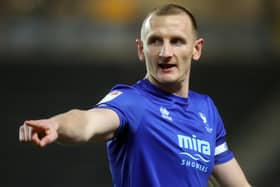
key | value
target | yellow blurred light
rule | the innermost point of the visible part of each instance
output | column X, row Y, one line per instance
column 113, row 10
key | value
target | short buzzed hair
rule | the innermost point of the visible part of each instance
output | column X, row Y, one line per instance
column 172, row 9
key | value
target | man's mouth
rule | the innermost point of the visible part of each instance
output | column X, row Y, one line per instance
column 166, row 66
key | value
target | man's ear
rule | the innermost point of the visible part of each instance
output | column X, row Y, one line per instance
column 198, row 49
column 139, row 44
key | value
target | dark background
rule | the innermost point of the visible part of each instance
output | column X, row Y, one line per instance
column 60, row 55
column 33, row 92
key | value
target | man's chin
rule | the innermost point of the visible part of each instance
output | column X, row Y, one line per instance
column 168, row 81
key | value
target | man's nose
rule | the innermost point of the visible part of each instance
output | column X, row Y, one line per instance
column 166, row 51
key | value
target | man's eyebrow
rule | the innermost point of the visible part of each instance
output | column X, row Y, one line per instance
column 154, row 36
column 177, row 37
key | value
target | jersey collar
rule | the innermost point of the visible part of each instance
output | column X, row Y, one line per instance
column 147, row 86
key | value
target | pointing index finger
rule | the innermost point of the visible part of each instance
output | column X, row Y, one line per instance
column 37, row 124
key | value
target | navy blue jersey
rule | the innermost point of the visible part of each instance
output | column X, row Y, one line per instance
column 163, row 140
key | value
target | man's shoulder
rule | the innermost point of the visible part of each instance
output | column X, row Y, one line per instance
column 128, row 90
column 198, row 96
column 122, row 96
column 200, row 99
column 122, row 87
column 123, row 93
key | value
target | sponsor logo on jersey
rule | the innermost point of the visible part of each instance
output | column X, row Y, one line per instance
column 193, row 143
column 196, row 151
column 110, row 96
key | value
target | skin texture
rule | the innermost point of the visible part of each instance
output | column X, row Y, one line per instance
column 167, row 47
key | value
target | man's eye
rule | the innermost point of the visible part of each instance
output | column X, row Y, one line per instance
column 178, row 41
column 155, row 41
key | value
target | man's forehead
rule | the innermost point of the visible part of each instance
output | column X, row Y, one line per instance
column 153, row 20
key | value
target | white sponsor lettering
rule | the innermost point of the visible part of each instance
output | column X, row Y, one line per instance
column 194, row 143
column 194, row 165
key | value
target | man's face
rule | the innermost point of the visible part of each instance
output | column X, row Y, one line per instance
column 167, row 47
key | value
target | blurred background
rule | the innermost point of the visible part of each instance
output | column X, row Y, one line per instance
column 56, row 55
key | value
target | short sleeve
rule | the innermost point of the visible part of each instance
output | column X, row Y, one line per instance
column 125, row 101
column 222, row 151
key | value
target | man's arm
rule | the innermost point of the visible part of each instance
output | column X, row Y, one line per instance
column 230, row 174
column 75, row 126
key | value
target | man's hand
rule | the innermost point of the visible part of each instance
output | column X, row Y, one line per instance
column 40, row 132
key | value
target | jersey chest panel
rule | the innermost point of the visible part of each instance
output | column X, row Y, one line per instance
column 178, row 134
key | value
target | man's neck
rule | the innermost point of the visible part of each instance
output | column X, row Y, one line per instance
column 180, row 89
